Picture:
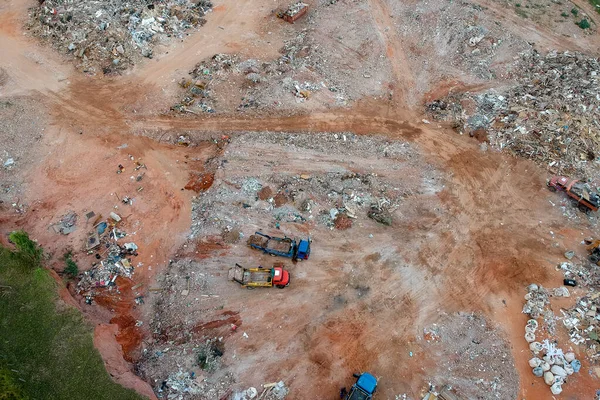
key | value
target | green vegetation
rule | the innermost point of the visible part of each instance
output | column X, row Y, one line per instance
column 9, row 388
column 574, row 11
column 46, row 349
column 518, row 5
column 584, row 24
column 71, row 267
column 26, row 248
column 596, row 4
column 564, row 14
column 521, row 13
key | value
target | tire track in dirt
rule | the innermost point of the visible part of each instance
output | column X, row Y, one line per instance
column 210, row 40
column 404, row 79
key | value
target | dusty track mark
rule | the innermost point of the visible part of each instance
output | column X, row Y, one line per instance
column 405, row 83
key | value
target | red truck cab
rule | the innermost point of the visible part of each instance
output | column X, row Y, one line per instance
column 281, row 278
column 583, row 197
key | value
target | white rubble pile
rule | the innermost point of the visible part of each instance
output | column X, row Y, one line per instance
column 111, row 35
column 549, row 361
column 550, row 114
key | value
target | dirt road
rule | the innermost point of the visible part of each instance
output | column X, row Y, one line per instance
column 472, row 228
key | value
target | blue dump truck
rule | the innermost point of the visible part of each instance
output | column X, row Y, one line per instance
column 363, row 389
column 283, row 247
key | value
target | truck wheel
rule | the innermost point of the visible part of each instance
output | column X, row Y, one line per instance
column 280, row 286
column 250, row 287
column 584, row 209
column 551, row 188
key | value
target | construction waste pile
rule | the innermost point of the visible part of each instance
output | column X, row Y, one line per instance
column 336, row 199
column 549, row 361
column 184, row 385
column 550, row 116
column 198, row 87
column 106, row 36
column 269, row 391
column 114, row 259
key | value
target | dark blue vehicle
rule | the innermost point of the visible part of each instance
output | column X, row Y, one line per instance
column 363, row 389
column 283, row 247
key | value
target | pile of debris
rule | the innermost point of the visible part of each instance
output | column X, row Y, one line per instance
column 114, row 259
column 197, row 88
column 486, row 368
column 583, row 322
column 548, row 362
column 66, row 224
column 184, row 385
column 586, row 273
column 113, row 34
column 551, row 363
column 270, row 391
column 337, row 199
column 550, row 116
column 307, row 67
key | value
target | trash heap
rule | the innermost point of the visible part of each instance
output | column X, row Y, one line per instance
column 549, row 362
column 269, row 391
column 184, row 385
column 182, row 382
column 586, row 273
column 114, row 259
column 583, row 322
column 550, row 116
column 66, row 224
column 113, row 34
column 198, row 86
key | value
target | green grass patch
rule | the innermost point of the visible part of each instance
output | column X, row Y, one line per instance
column 71, row 268
column 521, row 13
column 574, row 11
column 584, row 24
column 596, row 4
column 46, row 349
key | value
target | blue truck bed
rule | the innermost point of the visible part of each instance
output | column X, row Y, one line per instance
column 283, row 247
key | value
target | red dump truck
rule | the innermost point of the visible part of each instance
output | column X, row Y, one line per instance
column 582, row 196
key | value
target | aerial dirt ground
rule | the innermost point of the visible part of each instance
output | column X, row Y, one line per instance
column 430, row 297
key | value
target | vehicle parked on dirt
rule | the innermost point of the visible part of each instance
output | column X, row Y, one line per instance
column 260, row 277
column 364, row 388
column 583, row 197
column 593, row 248
column 283, row 247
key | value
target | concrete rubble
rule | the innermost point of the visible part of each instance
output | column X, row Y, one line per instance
column 321, row 198
column 550, row 114
column 106, row 36
column 269, row 391
column 185, row 385
column 582, row 321
column 549, row 361
column 66, row 224
column 308, row 70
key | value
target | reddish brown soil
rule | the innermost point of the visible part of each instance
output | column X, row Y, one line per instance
column 265, row 193
column 280, row 199
column 342, row 222
column 200, row 182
